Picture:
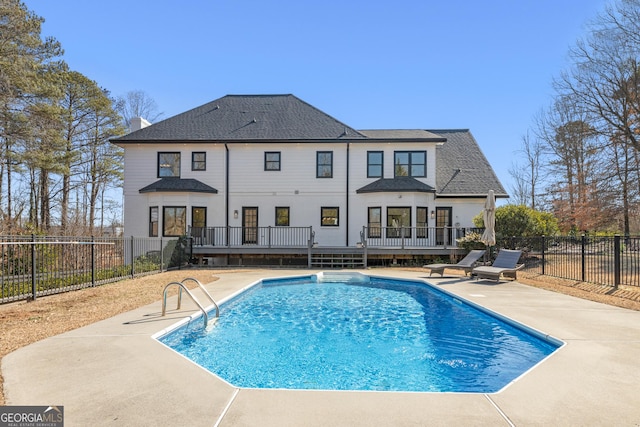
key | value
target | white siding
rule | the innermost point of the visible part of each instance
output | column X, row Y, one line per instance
column 295, row 186
column 141, row 170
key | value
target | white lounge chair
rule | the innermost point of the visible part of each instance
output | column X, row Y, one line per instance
column 466, row 264
column 505, row 265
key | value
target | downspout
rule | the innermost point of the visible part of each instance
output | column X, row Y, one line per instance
column 347, row 195
column 226, row 190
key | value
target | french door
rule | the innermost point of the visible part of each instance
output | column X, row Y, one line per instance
column 443, row 226
column 249, row 225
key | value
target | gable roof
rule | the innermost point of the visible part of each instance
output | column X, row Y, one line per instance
column 462, row 169
column 247, row 117
column 178, row 185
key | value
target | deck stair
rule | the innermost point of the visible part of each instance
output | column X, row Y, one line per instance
column 337, row 260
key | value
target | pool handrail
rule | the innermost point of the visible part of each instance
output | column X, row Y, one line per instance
column 204, row 291
column 182, row 286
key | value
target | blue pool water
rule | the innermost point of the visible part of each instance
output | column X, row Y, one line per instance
column 366, row 333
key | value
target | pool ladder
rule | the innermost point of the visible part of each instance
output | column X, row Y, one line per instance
column 181, row 287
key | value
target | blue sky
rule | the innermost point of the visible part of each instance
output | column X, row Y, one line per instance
column 408, row 64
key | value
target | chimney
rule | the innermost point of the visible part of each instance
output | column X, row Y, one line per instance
column 138, row 123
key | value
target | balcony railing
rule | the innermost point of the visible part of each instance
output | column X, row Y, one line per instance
column 269, row 237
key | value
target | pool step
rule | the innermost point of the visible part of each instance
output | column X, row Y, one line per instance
column 337, row 260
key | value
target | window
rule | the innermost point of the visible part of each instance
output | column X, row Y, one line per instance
column 168, row 164
column 324, row 164
column 272, row 160
column 282, row 216
column 153, row 221
column 410, row 163
column 374, row 164
column 399, row 222
column 329, row 216
column 198, row 161
column 375, row 222
column 421, row 222
column 174, row 221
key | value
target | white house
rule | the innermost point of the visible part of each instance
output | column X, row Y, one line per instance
column 265, row 172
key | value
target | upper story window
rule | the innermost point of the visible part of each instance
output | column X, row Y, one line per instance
column 198, row 161
column 324, row 164
column 374, row 164
column 410, row 163
column 168, row 164
column 272, row 160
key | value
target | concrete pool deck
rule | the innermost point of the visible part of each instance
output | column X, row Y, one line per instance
column 113, row 373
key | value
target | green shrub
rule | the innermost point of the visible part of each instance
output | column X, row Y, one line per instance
column 471, row 241
column 521, row 221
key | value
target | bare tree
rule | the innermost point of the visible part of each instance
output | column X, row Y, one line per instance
column 528, row 177
column 605, row 82
column 605, row 78
column 137, row 103
column 574, row 157
column 519, row 187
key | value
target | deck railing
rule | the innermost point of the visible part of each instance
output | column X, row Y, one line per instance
column 269, row 237
column 412, row 237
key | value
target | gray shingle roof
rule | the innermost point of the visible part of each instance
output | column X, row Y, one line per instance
column 461, row 167
column 397, row 134
column 172, row 184
column 397, row 184
column 247, row 117
column 462, row 170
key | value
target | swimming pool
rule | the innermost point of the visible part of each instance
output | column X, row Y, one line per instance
column 359, row 332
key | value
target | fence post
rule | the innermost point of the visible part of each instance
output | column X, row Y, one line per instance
column 544, row 246
column 161, row 255
column 617, row 260
column 33, row 266
column 93, row 261
column 583, row 257
column 133, row 269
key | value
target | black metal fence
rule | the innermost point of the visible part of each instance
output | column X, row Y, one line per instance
column 32, row 266
column 610, row 260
